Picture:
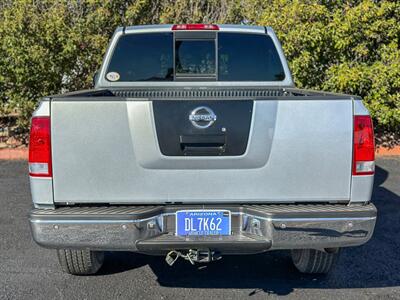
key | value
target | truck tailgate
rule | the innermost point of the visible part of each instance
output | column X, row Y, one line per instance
column 112, row 151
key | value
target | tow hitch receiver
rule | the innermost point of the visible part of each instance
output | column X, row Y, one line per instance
column 193, row 256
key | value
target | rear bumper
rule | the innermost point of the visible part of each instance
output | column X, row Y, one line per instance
column 255, row 228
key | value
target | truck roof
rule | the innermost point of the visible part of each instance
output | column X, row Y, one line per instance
column 222, row 27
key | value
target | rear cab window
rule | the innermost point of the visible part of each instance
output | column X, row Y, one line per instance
column 248, row 57
column 143, row 57
column 188, row 56
column 194, row 57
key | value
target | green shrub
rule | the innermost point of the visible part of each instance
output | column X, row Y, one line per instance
column 350, row 47
column 49, row 47
column 52, row 46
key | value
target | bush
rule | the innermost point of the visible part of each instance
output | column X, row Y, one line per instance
column 52, row 46
column 350, row 47
column 49, row 47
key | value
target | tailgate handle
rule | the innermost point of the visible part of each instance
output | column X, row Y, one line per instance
column 203, row 144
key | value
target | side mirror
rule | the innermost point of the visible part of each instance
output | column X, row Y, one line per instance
column 95, row 77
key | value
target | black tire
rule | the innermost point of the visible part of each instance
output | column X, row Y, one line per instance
column 80, row 262
column 313, row 261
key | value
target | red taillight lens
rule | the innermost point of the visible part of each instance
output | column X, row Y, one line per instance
column 195, row 27
column 40, row 148
column 363, row 146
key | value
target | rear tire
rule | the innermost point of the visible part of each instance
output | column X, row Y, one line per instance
column 314, row 261
column 80, row 262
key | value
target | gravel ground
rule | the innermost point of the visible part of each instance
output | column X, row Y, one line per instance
column 28, row 271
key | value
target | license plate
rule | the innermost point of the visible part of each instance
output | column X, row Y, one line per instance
column 203, row 222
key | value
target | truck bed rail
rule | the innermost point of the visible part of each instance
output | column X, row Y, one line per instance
column 204, row 93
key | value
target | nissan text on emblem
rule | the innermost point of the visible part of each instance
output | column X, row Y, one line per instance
column 202, row 117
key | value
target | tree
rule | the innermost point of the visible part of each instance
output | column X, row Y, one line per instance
column 51, row 46
column 344, row 46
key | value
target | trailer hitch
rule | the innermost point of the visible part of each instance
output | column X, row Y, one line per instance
column 193, row 256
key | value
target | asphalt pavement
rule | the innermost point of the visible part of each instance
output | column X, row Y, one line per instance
column 28, row 271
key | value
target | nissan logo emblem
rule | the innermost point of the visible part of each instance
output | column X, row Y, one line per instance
column 202, row 117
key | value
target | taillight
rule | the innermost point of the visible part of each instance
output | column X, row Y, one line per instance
column 195, row 27
column 40, row 148
column 363, row 146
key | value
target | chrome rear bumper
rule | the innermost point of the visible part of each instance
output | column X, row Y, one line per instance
column 255, row 228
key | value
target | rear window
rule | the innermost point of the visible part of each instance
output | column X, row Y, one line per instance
column 227, row 57
column 195, row 57
column 142, row 57
column 248, row 57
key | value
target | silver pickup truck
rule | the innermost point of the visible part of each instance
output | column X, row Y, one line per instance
column 195, row 144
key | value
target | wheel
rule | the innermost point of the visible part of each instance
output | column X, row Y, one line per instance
column 314, row 261
column 80, row 262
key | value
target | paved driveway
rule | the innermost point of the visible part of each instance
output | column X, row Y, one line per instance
column 30, row 272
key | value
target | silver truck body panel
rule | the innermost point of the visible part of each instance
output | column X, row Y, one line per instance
column 43, row 110
column 361, row 188
column 107, row 152
column 359, row 108
column 41, row 190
